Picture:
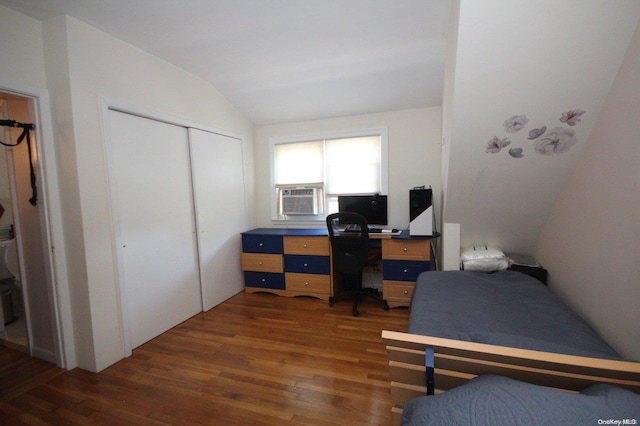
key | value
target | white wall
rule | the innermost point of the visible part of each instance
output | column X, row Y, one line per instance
column 413, row 149
column 75, row 306
column 85, row 65
column 21, row 50
column 537, row 58
column 591, row 242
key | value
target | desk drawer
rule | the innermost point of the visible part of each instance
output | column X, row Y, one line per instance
column 317, row 246
column 264, row 280
column 402, row 249
column 397, row 293
column 398, row 290
column 262, row 243
column 307, row 264
column 308, row 283
column 398, row 270
column 262, row 262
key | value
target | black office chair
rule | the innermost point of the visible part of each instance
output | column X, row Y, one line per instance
column 350, row 251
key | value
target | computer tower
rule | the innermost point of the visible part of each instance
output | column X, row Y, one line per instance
column 420, row 212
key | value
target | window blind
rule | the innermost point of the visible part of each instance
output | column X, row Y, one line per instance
column 353, row 165
column 299, row 163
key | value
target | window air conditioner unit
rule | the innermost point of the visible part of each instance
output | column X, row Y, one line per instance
column 299, row 201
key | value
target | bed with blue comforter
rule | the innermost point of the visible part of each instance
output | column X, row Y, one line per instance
column 507, row 346
column 504, row 308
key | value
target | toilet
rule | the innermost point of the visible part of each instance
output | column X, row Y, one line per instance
column 8, row 274
column 8, row 259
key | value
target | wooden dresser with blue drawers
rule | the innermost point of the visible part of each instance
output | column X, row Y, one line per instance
column 287, row 262
column 297, row 262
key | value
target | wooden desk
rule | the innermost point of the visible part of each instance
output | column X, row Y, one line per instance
column 297, row 262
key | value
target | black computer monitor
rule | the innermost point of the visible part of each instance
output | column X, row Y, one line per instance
column 372, row 207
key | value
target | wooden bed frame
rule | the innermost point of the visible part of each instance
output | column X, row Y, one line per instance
column 456, row 362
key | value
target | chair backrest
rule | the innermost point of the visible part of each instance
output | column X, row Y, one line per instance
column 349, row 236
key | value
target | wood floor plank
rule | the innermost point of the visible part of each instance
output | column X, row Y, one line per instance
column 256, row 359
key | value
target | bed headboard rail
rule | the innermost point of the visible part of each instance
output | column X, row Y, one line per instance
column 456, row 362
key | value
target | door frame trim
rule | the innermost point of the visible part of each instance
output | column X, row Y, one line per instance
column 55, row 259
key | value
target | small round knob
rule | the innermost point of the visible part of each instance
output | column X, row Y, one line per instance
column 404, row 249
column 405, row 271
column 259, row 263
column 305, row 246
column 260, row 244
column 306, row 284
column 264, row 280
column 306, row 265
column 406, row 292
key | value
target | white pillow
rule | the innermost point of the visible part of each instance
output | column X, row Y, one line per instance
column 483, row 252
column 484, row 259
column 485, row 265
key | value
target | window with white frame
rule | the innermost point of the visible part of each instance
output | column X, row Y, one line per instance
column 309, row 173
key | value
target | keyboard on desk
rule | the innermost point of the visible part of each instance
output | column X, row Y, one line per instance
column 375, row 231
column 393, row 231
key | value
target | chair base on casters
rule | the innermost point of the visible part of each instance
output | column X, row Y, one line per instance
column 358, row 295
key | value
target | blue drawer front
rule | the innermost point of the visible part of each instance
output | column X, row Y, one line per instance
column 401, row 270
column 264, row 280
column 306, row 264
column 262, row 244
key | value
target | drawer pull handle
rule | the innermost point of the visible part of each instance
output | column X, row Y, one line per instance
column 264, row 280
column 405, row 271
column 406, row 292
column 260, row 244
column 305, row 246
column 306, row 284
column 306, row 265
column 405, row 249
column 259, row 263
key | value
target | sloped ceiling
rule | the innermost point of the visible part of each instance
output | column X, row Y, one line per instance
column 519, row 66
column 285, row 60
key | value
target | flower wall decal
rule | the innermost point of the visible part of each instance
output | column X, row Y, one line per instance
column 536, row 133
column 515, row 123
column 516, row 152
column 571, row 117
column 495, row 145
column 556, row 140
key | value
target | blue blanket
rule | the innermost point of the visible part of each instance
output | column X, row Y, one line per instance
column 505, row 308
column 495, row 400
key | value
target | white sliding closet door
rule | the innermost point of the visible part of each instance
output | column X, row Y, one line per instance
column 218, row 180
column 149, row 171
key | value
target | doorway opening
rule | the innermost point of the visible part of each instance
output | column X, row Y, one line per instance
column 27, row 322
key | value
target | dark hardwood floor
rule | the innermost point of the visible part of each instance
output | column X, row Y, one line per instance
column 256, row 359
